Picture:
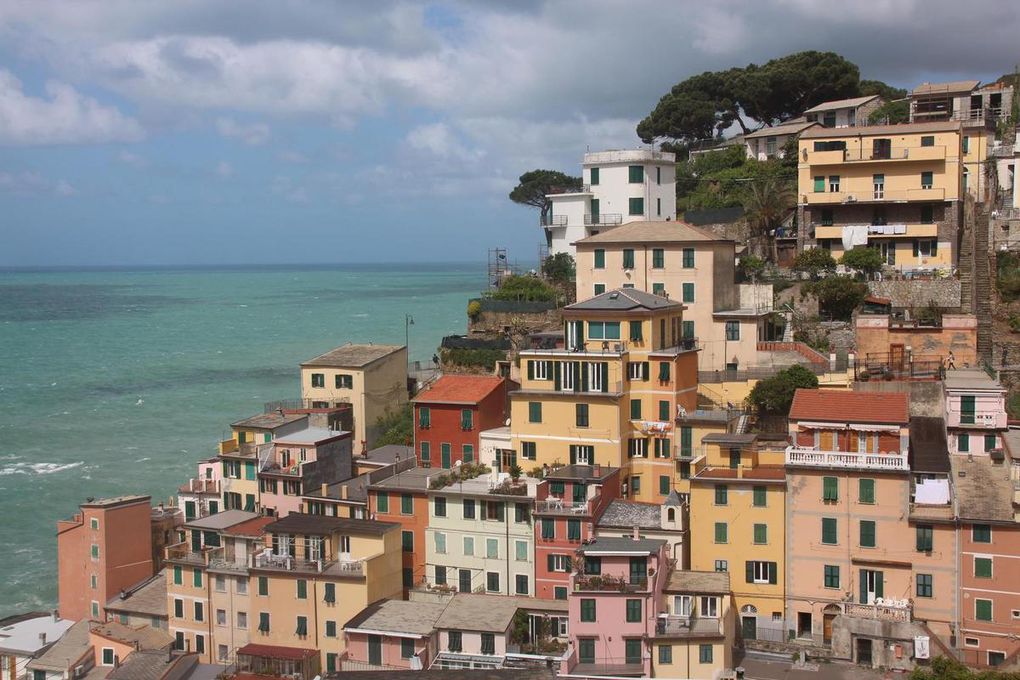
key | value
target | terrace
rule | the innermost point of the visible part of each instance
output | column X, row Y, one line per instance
column 881, row 610
column 688, row 626
column 269, row 561
column 812, row 457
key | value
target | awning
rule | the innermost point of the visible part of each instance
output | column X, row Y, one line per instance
column 874, row 428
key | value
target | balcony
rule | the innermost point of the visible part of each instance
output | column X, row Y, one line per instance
column 183, row 553
column 600, row 348
column 561, row 506
column 882, row 610
column 607, row 583
column 808, row 457
column 552, row 221
column 602, row 220
column 267, row 560
column 579, row 189
column 835, row 231
column 688, row 626
column 869, row 195
column 201, row 486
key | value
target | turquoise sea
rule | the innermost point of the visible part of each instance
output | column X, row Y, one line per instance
column 118, row 381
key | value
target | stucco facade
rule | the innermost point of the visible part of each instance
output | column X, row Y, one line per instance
column 880, row 336
column 450, row 414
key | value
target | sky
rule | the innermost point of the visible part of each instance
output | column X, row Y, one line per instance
column 208, row 132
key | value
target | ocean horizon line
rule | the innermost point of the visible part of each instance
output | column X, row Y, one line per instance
column 246, row 267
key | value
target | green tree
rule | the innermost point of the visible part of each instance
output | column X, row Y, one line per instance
column 767, row 203
column 863, row 260
column 559, row 268
column 396, row 427
column 750, row 267
column 814, row 262
column 533, row 186
column 525, row 289
column 894, row 109
column 774, row 395
column 945, row 668
column 704, row 105
column 838, row 296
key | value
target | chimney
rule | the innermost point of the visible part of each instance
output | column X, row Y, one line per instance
column 56, row 616
column 42, row 639
column 740, row 472
column 598, row 469
column 325, row 488
column 636, row 535
column 343, row 492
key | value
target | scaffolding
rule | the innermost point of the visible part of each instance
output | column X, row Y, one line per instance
column 499, row 267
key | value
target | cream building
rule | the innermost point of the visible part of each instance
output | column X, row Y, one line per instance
column 372, row 378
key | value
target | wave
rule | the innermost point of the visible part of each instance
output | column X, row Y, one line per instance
column 38, row 468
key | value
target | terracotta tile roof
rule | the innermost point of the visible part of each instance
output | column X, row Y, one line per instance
column 658, row 231
column 459, row 389
column 851, row 407
column 253, row 527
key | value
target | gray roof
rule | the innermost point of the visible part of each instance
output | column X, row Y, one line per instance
column 415, row 479
column 681, row 581
column 399, row 616
column 309, row 436
column 140, row 637
column 485, row 613
column 589, row 473
column 945, row 88
column 66, row 651
column 626, row 514
column 624, row 300
column 841, row 104
column 388, row 454
column 625, row 544
column 928, row 450
column 150, row 665
column 984, row 491
column 788, row 128
column 357, row 489
column 147, row 598
column 221, row 520
column 269, row 421
column 970, row 379
column 353, row 356
column 300, row 523
column 464, row 674
column 22, row 636
column 672, row 499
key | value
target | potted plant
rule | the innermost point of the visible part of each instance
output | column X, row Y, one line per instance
column 515, row 473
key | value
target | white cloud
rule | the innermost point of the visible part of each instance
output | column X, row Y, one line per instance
column 290, row 156
column 285, row 187
column 29, row 183
column 64, row 188
column 252, row 134
column 438, row 140
column 132, row 159
column 64, row 116
column 224, row 169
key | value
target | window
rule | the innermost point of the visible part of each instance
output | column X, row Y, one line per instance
column 637, row 448
column 439, row 539
column 492, row 581
column 426, row 454
column 302, row 589
column 989, row 442
column 586, row 650
column 664, row 371
column 966, row 144
column 178, row 579
column 95, row 551
column 440, row 575
column 534, row 411
column 831, row 576
column 492, row 548
column 469, row 546
column 529, row 450
column 733, row 330
column 242, row 619
column 819, row 184
column 636, row 206
column 559, row 563
column 664, row 485
column 983, row 610
column 826, row 218
column 926, row 248
column 633, row 611
column 382, row 502
column 94, row 581
column 983, row 567
column 329, row 593
column 829, row 531
column 196, row 578
column 928, row 140
column 924, row 537
column 720, row 532
column 687, row 292
column 924, row 585
column 560, row 593
column 406, row 648
column 407, row 541
column 658, row 258
column 878, row 184
column 493, row 510
column 721, row 494
column 722, row 565
column 263, row 586
column 759, row 496
column 636, row 174
column 468, row 508
column 867, row 533
column 866, row 491
column 424, row 417
column 834, row 184
column 635, row 331
column 587, row 610
column 440, row 506
column 635, row 482
column 927, row 180
column 600, row 258
column 760, row 534
column 344, row 382
column 454, row 641
column 573, row 530
column 995, row 658
column 548, row 529
column 704, row 653
column 599, row 289
column 521, row 584
column 628, row 258
column 594, row 177
column 521, row 514
column 318, row 379
column 830, row 489
column 521, row 551
column 581, row 415
column 665, row 654
column 263, row 622
column 406, row 504
column 761, row 572
column 981, row 533
column 635, row 409
column 592, row 566
column 107, row 656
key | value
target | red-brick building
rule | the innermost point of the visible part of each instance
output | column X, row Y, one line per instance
column 449, row 414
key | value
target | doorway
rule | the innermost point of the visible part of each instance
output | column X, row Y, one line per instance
column 803, row 624
column 749, row 627
column 829, row 615
column 864, row 651
column 897, row 353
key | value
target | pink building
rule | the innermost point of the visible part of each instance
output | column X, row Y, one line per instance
column 614, row 604
column 392, row 635
column 975, row 413
column 568, row 505
column 300, row 462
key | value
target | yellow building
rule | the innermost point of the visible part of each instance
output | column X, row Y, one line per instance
column 695, row 632
column 612, row 395
column 898, row 188
column 738, row 516
column 687, row 264
column 372, row 378
column 239, row 455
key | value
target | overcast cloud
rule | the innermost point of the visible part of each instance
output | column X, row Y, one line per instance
column 395, row 129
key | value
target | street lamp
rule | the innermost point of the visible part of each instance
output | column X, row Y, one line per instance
column 408, row 322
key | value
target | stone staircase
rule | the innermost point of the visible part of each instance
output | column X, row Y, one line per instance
column 965, row 265
column 982, row 283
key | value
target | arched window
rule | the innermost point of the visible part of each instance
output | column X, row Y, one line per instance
column 671, row 514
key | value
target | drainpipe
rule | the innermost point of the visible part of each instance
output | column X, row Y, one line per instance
column 506, row 527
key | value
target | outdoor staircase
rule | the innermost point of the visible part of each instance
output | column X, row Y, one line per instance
column 983, row 284
column 965, row 266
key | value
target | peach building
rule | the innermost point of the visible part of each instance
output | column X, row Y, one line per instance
column 104, row 548
column 975, row 413
column 300, row 462
column 391, row 635
column 403, row 498
column 694, row 634
column 897, row 345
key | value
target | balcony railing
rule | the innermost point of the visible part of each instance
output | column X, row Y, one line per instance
column 882, row 610
column 561, row 506
column 893, row 461
column 577, row 189
column 552, row 221
column 896, row 153
column 603, row 219
column 869, row 195
column 183, row 552
column 205, row 486
column 610, row 584
column 682, row 626
column 288, row 563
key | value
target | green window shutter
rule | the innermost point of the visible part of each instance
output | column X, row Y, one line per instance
column 658, row 258
column 830, row 489
column 819, row 184
column 531, row 369
column 721, row 494
column 196, row 577
column 664, row 485
column 636, row 174
column 302, row 589
column 759, row 496
column 636, row 206
column 535, row 411
column 628, row 258
column 867, row 533
column 760, row 533
column 426, row 453
column 573, row 529
column 664, row 410
column 664, row 371
column 749, row 571
column 633, row 611
column 963, row 442
column 329, row 594
column 981, row 533
column 688, row 258
column 968, row 409
column 659, row 289
column 923, row 538
column 983, row 610
column 866, row 490
column 263, row 585
column 466, row 419
column 686, row 441
column 383, row 502
column 917, row 248
column 600, row 258
column 966, row 144
column 829, row 531
column 720, row 532
column 468, row 453
column 635, row 409
column 688, row 292
column 407, row 541
column 983, row 567
column 666, row 654
column 599, row 289
column 635, row 331
column 990, row 441
column 178, row 578
column 594, row 177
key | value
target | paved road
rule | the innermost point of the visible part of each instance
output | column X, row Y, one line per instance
column 756, row 669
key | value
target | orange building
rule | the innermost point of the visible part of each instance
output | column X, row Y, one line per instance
column 403, row 498
column 104, row 548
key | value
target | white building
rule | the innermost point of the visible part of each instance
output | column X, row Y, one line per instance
column 23, row 637
column 618, row 186
column 768, row 142
column 844, row 112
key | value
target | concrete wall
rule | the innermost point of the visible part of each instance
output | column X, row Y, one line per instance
column 918, row 294
column 958, row 334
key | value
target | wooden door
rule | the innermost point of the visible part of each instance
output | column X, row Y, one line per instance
column 827, row 620
column 896, row 356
